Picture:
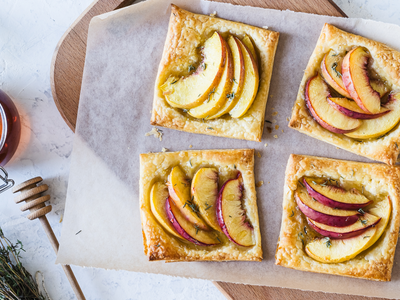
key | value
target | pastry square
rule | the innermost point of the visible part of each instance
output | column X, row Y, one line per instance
column 385, row 63
column 161, row 243
column 187, row 32
column 376, row 181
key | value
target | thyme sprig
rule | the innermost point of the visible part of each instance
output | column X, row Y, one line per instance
column 334, row 66
column 15, row 281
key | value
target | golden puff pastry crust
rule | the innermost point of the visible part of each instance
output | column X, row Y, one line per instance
column 377, row 182
column 160, row 245
column 186, row 32
column 386, row 63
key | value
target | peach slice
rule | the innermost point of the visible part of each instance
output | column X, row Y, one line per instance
column 352, row 110
column 374, row 128
column 193, row 90
column 250, row 86
column 334, row 196
column 179, row 191
column 331, row 70
column 205, row 195
column 326, row 250
column 158, row 196
column 218, row 96
column 321, row 213
column 188, row 230
column 316, row 94
column 383, row 210
column 356, row 80
column 366, row 221
column 249, row 44
column 237, row 80
column 231, row 216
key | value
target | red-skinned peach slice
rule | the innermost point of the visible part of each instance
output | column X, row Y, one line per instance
column 316, row 94
column 374, row 128
column 231, row 216
column 326, row 250
column 158, row 196
column 366, row 221
column 192, row 90
column 356, row 80
column 321, row 213
column 334, row 196
column 187, row 230
column 331, row 70
column 352, row 110
column 179, row 191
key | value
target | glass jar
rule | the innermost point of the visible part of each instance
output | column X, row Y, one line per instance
column 10, row 128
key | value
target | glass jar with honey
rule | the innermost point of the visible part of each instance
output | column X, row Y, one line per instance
column 10, row 128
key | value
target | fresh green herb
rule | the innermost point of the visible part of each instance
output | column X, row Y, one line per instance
column 305, row 229
column 313, row 198
column 302, row 184
column 397, row 147
column 334, row 69
column 199, row 95
column 208, row 206
column 328, row 242
column 231, row 96
column 291, row 214
column 234, row 166
column 367, row 236
column 312, row 165
column 191, row 68
column 335, row 54
column 314, row 182
column 197, row 228
column 78, row 232
column 184, row 183
column 175, row 184
column 352, row 173
column 210, row 128
column 302, row 241
column 192, row 206
column 362, row 189
column 184, row 110
column 203, row 65
column 184, row 205
column 324, row 184
column 360, row 210
column 230, row 216
column 158, row 245
column 364, row 222
column 174, row 14
column 192, row 198
column 15, row 281
column 381, row 136
column 234, row 80
column 218, row 239
column 268, row 121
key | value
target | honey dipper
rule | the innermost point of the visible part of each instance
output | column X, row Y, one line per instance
column 31, row 194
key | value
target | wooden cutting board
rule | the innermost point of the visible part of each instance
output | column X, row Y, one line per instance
column 66, row 78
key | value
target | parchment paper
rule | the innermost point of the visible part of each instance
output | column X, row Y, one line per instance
column 102, row 222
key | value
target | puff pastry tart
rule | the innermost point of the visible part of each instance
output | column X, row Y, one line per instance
column 339, row 217
column 199, row 205
column 350, row 95
column 214, row 76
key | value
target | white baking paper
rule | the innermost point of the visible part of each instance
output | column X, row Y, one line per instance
column 102, row 227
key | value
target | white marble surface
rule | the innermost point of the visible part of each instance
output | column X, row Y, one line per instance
column 29, row 32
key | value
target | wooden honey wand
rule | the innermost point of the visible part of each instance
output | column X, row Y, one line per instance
column 31, row 194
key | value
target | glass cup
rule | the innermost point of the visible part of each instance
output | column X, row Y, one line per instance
column 10, row 128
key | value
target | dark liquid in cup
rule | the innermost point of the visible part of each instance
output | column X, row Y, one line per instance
column 13, row 128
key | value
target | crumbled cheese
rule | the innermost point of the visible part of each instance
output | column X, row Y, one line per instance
column 282, row 130
column 260, row 183
column 258, row 154
column 287, row 119
column 273, row 121
column 213, row 14
column 265, row 145
column 275, row 136
column 156, row 132
column 61, row 218
column 276, row 127
column 164, row 149
column 274, row 113
column 265, row 27
column 190, row 146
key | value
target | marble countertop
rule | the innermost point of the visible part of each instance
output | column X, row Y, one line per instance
column 29, row 32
